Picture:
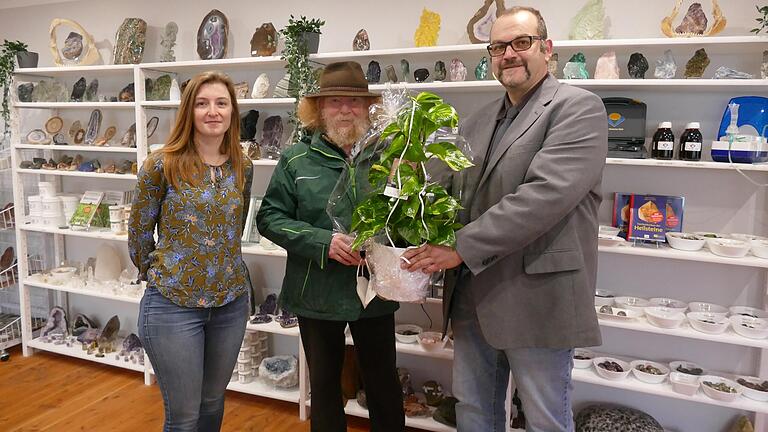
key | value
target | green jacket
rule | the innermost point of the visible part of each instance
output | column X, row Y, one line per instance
column 293, row 215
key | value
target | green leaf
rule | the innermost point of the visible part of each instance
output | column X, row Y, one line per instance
column 450, row 154
column 446, row 204
column 445, row 237
column 443, row 115
column 395, row 148
column 411, row 207
column 378, row 175
column 389, row 130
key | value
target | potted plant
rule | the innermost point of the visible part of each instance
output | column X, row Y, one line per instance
column 302, row 77
column 762, row 20
column 305, row 30
column 9, row 51
column 404, row 206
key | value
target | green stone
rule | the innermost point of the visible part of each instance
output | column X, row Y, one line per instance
column 481, row 70
column 697, row 64
column 578, row 58
column 589, row 22
column 575, row 70
column 161, row 89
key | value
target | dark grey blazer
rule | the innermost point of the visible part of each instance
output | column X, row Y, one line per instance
column 530, row 234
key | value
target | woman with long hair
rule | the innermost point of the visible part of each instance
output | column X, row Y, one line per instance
column 196, row 191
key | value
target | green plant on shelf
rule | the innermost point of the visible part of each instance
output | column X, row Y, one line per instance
column 303, row 77
column 8, row 51
column 761, row 20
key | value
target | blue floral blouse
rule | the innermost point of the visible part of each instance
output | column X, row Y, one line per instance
column 197, row 261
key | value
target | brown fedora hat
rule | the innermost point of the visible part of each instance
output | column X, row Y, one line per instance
column 343, row 79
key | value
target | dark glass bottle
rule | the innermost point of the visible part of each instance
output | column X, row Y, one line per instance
column 690, row 143
column 663, row 143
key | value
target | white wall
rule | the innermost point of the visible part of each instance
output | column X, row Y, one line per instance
column 710, row 198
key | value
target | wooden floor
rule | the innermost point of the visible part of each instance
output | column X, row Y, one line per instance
column 48, row 392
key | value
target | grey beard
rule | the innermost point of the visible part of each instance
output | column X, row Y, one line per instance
column 347, row 137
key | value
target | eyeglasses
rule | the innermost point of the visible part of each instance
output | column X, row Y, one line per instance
column 518, row 44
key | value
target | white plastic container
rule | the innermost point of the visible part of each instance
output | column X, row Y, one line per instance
column 117, row 227
column 35, row 205
column 69, row 205
column 53, row 221
column 115, row 213
column 51, row 206
column 245, row 378
column 47, row 190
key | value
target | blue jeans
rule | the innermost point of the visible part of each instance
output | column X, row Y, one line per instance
column 481, row 376
column 193, row 352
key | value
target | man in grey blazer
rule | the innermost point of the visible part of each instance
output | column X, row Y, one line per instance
column 527, row 255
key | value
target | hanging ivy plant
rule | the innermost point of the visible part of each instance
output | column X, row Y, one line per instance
column 419, row 211
column 303, row 77
column 8, row 51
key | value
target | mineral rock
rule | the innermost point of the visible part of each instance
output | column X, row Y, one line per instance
column 129, row 41
column 73, row 46
column 264, row 40
column 607, row 66
column 695, row 21
column 608, row 419
column 429, row 27
column 405, row 69
column 421, row 75
column 764, row 66
column 373, row 75
column 575, row 70
column 361, row 41
column 552, row 65
column 168, row 41
column 666, row 67
column 127, row 94
column 589, row 22
column 440, row 70
column 94, row 124
column 727, row 73
column 78, row 90
column 248, row 125
column 391, row 74
column 458, row 71
column 481, row 70
column 92, row 91
column 637, row 66
column 25, row 92
column 697, row 64
column 260, row 87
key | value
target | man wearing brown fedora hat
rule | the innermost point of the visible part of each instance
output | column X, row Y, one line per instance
column 320, row 275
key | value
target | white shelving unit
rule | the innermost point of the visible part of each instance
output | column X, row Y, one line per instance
column 77, row 352
column 715, row 89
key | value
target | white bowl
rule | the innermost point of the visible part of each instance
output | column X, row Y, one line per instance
column 759, row 248
column 664, row 317
column 758, row 395
column 685, row 241
column 711, row 308
column 684, row 383
column 669, row 303
column 610, row 240
column 431, row 341
column 610, row 375
column 62, row 275
column 710, row 235
column 730, row 248
column 753, row 328
column 718, row 394
column 604, row 297
column 649, row 377
column 407, row 338
column 618, row 313
column 635, row 304
column 707, row 322
column 746, row 237
column 584, row 363
column 676, row 366
column 748, row 311
column 609, row 230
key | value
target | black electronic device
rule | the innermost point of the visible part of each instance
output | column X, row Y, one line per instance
column 626, row 127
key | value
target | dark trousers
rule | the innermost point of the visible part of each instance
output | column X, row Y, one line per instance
column 374, row 338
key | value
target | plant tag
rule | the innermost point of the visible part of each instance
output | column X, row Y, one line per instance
column 392, row 192
column 364, row 290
